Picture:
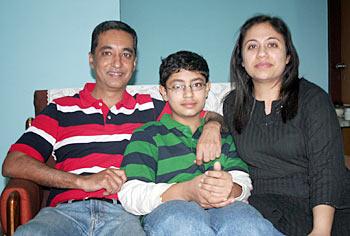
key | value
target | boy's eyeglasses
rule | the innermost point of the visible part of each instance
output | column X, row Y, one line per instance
column 179, row 88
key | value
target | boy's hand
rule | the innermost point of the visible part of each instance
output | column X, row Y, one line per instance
column 196, row 193
column 201, row 196
column 209, row 144
column 218, row 183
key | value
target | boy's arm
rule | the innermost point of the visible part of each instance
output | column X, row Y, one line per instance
column 140, row 194
column 141, row 198
column 242, row 179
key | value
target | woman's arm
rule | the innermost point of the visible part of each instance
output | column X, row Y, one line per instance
column 325, row 156
column 323, row 219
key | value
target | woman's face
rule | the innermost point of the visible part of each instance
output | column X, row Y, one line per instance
column 264, row 53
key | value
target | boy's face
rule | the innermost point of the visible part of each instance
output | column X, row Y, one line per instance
column 186, row 92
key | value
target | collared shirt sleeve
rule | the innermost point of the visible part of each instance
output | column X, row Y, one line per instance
column 141, row 198
column 242, row 178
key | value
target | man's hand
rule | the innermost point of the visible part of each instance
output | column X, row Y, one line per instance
column 110, row 179
column 209, row 143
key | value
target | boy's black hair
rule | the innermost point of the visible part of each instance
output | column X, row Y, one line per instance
column 184, row 60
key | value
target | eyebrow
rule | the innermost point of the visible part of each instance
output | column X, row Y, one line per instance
column 131, row 50
column 254, row 40
column 182, row 81
column 105, row 48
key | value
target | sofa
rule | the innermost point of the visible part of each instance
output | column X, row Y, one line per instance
column 22, row 199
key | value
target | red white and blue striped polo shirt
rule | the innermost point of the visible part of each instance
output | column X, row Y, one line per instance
column 85, row 136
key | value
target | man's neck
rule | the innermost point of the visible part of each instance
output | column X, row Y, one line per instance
column 110, row 98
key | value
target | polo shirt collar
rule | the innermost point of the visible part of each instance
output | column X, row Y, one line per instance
column 170, row 124
column 88, row 100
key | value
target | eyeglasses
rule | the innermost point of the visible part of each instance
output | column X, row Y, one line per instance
column 178, row 88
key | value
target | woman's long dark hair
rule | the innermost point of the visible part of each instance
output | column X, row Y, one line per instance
column 241, row 106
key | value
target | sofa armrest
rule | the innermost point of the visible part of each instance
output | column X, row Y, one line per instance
column 20, row 201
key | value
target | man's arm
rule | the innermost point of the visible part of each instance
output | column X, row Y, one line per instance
column 19, row 165
column 209, row 144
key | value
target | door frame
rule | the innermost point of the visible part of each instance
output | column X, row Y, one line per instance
column 334, row 51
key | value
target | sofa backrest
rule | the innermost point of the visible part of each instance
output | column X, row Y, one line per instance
column 213, row 103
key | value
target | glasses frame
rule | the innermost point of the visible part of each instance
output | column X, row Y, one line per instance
column 182, row 88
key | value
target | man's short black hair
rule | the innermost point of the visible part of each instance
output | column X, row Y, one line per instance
column 111, row 25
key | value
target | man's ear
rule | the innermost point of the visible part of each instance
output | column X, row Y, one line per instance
column 91, row 60
column 163, row 92
column 135, row 63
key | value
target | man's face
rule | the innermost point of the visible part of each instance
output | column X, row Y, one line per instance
column 186, row 92
column 114, row 60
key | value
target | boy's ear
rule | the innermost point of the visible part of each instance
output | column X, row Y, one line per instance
column 207, row 89
column 162, row 91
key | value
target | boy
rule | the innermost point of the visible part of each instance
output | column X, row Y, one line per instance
column 163, row 178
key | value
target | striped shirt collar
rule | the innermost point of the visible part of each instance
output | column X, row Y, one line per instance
column 88, row 100
column 170, row 124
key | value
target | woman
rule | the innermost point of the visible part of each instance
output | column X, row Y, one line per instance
column 285, row 129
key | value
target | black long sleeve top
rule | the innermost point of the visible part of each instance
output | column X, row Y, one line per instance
column 302, row 157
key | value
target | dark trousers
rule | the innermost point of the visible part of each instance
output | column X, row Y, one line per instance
column 293, row 216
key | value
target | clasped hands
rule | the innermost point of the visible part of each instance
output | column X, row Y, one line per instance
column 213, row 189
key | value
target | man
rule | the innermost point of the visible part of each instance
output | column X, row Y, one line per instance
column 87, row 134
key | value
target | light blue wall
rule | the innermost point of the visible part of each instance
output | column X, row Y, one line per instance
column 44, row 44
column 210, row 27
